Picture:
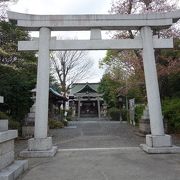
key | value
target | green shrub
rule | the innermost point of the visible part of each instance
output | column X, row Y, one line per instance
column 54, row 124
column 12, row 124
column 69, row 118
column 3, row 116
column 69, row 115
column 69, row 112
column 65, row 122
column 138, row 113
column 15, row 125
column 171, row 112
column 114, row 113
column 124, row 114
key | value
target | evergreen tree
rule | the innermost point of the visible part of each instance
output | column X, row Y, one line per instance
column 17, row 72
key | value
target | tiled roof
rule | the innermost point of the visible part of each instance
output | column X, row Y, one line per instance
column 76, row 87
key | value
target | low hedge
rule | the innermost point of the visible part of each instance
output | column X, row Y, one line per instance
column 54, row 124
column 171, row 112
column 12, row 124
column 114, row 114
column 138, row 113
column 3, row 116
column 15, row 125
column 65, row 122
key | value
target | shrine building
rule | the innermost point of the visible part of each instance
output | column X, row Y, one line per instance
column 86, row 101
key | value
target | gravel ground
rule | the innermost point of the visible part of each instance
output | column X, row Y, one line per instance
column 94, row 134
column 98, row 134
column 101, row 150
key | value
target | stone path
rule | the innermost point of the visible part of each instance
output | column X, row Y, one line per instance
column 96, row 134
column 125, row 164
column 100, row 151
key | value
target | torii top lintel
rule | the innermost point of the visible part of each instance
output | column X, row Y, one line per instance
column 86, row 22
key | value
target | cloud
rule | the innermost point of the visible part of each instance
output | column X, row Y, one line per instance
column 62, row 6
column 68, row 7
column 85, row 7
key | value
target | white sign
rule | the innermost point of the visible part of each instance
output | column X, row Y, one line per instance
column 132, row 104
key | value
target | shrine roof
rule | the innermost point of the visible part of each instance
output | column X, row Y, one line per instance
column 56, row 94
column 83, row 87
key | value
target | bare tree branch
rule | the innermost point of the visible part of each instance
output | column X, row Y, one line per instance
column 70, row 67
column 4, row 7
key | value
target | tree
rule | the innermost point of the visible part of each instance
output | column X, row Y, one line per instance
column 141, row 6
column 53, row 83
column 17, row 72
column 168, row 70
column 109, row 88
column 132, row 59
column 15, row 87
column 69, row 67
column 10, row 34
column 3, row 8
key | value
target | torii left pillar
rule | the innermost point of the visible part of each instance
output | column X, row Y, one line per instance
column 41, row 145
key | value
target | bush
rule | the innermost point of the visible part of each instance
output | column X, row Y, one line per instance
column 54, row 124
column 138, row 113
column 171, row 112
column 69, row 118
column 114, row 113
column 15, row 125
column 69, row 112
column 12, row 124
column 3, row 116
column 65, row 122
column 69, row 115
column 124, row 114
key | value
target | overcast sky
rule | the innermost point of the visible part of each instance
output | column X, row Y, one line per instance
column 62, row 6
column 69, row 7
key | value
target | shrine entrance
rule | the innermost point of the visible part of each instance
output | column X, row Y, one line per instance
column 86, row 101
column 89, row 109
column 158, row 141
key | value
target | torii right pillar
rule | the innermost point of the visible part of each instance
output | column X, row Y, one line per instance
column 157, row 141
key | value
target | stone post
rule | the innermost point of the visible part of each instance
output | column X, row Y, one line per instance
column 99, row 108
column 157, row 139
column 79, row 107
column 144, row 122
column 41, row 145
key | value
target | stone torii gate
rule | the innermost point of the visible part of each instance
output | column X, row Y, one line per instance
column 41, row 145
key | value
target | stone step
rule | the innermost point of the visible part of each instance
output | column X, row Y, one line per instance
column 92, row 119
column 8, row 135
column 14, row 170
